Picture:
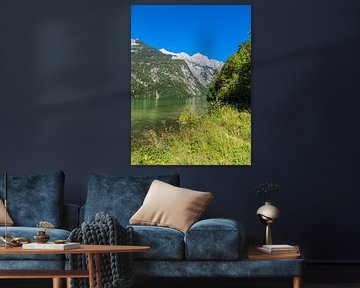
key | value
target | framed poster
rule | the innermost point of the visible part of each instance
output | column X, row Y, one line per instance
column 190, row 84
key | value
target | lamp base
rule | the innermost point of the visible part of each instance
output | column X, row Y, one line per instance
column 268, row 237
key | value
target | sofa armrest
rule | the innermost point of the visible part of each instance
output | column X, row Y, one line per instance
column 215, row 239
column 71, row 216
column 81, row 214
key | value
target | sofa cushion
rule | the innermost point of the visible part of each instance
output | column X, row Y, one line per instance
column 29, row 232
column 170, row 206
column 165, row 243
column 9, row 221
column 119, row 196
column 214, row 239
column 35, row 198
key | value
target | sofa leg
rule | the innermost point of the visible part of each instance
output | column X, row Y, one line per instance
column 68, row 282
column 57, row 283
column 297, row 282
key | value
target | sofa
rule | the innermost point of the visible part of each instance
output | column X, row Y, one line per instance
column 209, row 248
column 32, row 199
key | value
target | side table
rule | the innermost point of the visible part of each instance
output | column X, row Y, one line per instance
column 93, row 251
column 289, row 261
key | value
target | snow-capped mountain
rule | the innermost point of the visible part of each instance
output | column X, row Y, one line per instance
column 160, row 73
column 200, row 65
column 134, row 45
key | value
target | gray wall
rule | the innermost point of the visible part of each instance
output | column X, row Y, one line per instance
column 65, row 104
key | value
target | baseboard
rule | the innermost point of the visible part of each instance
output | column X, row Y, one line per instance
column 332, row 271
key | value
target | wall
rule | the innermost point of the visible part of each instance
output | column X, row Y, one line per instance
column 65, row 103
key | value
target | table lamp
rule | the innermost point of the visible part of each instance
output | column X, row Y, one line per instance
column 268, row 214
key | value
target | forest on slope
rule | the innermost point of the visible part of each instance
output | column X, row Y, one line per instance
column 233, row 84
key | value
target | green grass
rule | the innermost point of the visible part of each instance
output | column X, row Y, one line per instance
column 221, row 137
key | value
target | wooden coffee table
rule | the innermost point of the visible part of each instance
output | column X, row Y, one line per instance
column 57, row 275
column 255, row 255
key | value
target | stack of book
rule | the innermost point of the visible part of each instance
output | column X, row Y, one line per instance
column 51, row 246
column 279, row 249
column 274, row 252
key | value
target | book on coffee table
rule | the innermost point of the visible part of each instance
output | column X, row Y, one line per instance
column 273, row 249
column 255, row 254
column 51, row 246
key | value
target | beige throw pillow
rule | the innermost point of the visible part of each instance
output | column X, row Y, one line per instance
column 170, row 206
column 9, row 221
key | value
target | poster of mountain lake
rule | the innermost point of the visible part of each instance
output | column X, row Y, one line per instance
column 190, row 84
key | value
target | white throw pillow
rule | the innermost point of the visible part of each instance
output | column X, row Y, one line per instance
column 9, row 221
column 170, row 206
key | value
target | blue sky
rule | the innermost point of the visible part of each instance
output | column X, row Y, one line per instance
column 213, row 30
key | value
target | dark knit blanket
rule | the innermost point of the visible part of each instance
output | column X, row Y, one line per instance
column 116, row 268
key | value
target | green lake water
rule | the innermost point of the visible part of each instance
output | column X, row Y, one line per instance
column 156, row 114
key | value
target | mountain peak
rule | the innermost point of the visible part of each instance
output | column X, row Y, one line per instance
column 198, row 67
column 198, row 63
column 164, row 51
column 184, row 56
column 134, row 42
column 198, row 56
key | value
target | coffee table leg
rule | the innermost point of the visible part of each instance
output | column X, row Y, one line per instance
column 68, row 282
column 98, row 270
column 91, row 270
column 57, row 283
column 297, row 282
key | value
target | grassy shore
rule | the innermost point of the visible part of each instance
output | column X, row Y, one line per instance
column 220, row 137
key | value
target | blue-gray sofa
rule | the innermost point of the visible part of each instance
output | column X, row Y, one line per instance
column 210, row 248
column 32, row 199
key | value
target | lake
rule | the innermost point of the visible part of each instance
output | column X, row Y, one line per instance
column 156, row 113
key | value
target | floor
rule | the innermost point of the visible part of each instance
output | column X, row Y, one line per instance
column 333, row 285
column 247, row 284
column 280, row 285
column 238, row 283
